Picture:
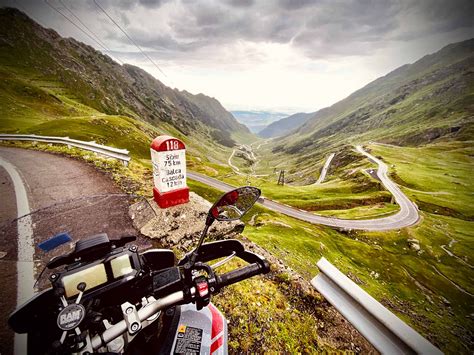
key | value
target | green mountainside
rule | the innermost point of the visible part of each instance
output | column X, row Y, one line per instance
column 429, row 100
column 54, row 85
column 418, row 119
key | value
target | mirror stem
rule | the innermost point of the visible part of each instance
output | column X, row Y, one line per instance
column 201, row 240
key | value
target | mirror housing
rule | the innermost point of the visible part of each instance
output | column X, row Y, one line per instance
column 230, row 207
column 233, row 204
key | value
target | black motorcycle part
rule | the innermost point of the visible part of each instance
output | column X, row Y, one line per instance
column 158, row 259
column 90, row 249
column 95, row 241
column 159, row 337
column 216, row 250
column 242, row 274
column 32, row 314
column 170, row 322
column 167, row 281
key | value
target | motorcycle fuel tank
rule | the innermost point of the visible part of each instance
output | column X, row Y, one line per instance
column 200, row 332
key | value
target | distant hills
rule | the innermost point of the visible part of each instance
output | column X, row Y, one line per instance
column 429, row 100
column 52, row 84
column 48, row 78
column 257, row 120
column 285, row 126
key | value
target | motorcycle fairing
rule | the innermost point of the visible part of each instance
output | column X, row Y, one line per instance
column 201, row 332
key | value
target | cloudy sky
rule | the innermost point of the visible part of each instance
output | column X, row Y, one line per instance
column 281, row 55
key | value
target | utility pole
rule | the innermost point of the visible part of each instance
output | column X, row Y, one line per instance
column 281, row 178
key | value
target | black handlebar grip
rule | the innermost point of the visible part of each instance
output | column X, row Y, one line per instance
column 238, row 275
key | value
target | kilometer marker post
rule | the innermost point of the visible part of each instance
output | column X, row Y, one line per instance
column 168, row 156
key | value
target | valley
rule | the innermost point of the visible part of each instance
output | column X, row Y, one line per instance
column 423, row 273
column 415, row 124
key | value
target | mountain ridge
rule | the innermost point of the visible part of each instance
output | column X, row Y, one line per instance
column 104, row 85
column 415, row 103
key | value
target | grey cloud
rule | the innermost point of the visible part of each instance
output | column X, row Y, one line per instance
column 214, row 23
column 240, row 3
column 152, row 3
column 323, row 27
column 347, row 28
column 124, row 19
column 439, row 16
column 120, row 4
column 312, row 27
column 209, row 15
column 296, row 4
column 454, row 13
column 444, row 16
column 128, row 4
column 315, row 28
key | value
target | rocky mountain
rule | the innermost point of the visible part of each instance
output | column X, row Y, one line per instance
column 428, row 100
column 95, row 80
column 285, row 126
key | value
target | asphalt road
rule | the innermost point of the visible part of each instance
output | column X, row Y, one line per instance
column 233, row 167
column 406, row 216
column 64, row 195
column 325, row 169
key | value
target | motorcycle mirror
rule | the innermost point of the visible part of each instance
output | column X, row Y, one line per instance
column 230, row 207
column 234, row 204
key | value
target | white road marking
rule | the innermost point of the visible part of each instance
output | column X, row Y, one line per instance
column 25, row 268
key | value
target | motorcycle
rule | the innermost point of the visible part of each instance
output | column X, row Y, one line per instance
column 108, row 296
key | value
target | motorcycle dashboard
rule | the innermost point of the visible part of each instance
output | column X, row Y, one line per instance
column 101, row 273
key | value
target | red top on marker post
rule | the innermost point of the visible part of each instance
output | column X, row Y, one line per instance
column 168, row 156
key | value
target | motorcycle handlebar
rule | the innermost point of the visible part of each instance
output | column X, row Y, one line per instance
column 235, row 276
column 259, row 266
column 144, row 313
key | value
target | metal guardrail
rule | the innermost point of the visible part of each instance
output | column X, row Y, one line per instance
column 120, row 154
column 383, row 329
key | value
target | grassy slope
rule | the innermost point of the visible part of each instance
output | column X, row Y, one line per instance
column 415, row 104
column 33, row 103
column 403, row 279
column 43, row 106
column 382, row 262
column 269, row 319
column 348, row 191
column 38, row 95
column 442, row 172
column 430, row 290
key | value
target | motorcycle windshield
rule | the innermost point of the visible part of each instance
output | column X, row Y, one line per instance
column 24, row 253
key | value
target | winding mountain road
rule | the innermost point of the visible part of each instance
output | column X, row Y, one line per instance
column 407, row 216
column 325, row 169
column 250, row 156
column 232, row 166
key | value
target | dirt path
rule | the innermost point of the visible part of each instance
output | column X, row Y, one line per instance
column 452, row 282
column 461, row 260
column 232, row 166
